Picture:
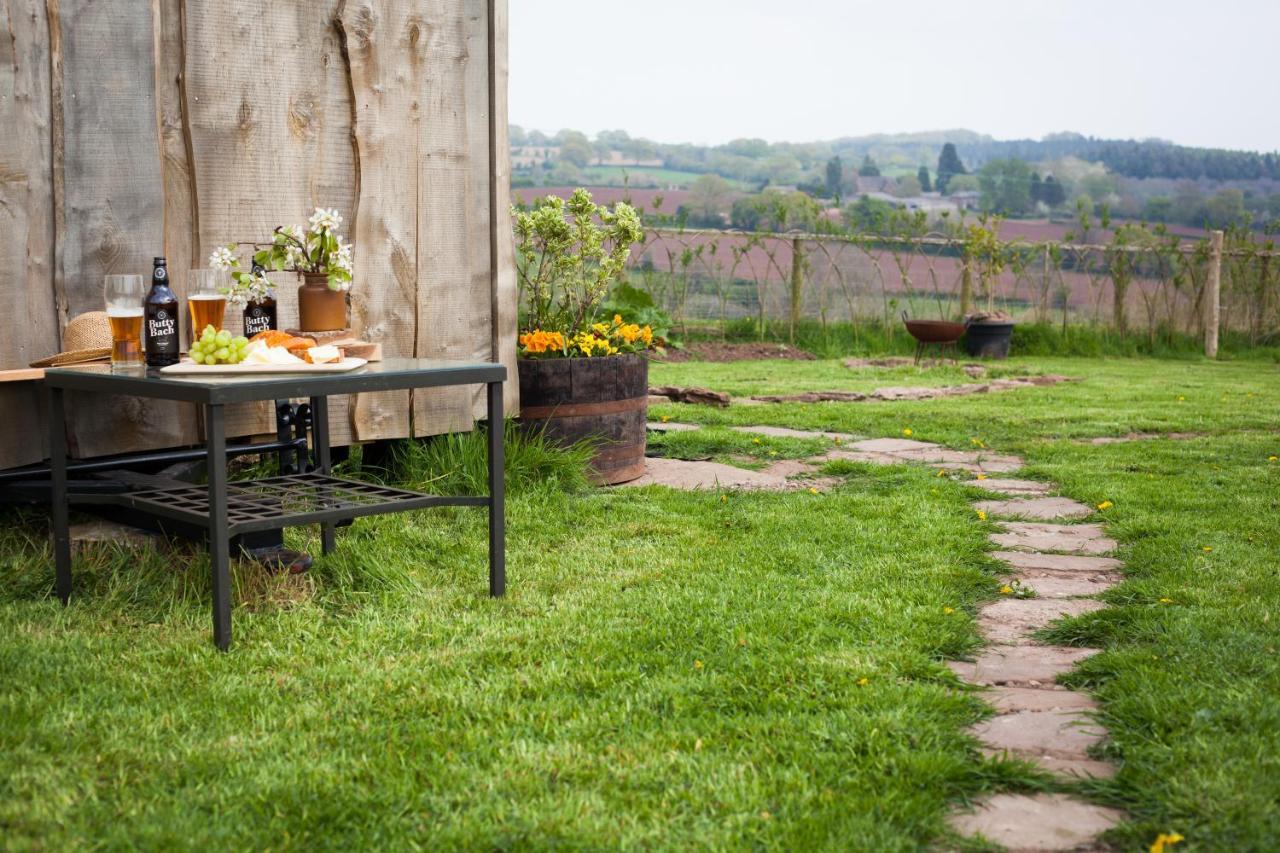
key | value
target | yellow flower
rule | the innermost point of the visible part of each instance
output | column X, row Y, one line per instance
column 908, row 432
column 813, row 491
column 1206, row 549
column 982, row 515
column 864, row 681
column 1166, row 601
column 1006, row 590
column 1164, row 841
column 617, row 319
column 724, row 499
column 755, row 441
column 942, row 472
column 697, row 664
column 666, row 418
column 1106, row 505
column 538, row 341
column 1273, row 458
column 948, row 610
column 773, row 453
column 646, row 335
column 1181, row 399
column 982, row 476
column 601, row 328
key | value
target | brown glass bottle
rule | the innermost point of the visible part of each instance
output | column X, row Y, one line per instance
column 260, row 314
column 160, row 318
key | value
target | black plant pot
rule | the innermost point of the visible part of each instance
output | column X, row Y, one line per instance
column 988, row 340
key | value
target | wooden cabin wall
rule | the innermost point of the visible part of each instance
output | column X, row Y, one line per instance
column 169, row 127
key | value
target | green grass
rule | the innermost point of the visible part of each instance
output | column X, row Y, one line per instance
column 670, row 669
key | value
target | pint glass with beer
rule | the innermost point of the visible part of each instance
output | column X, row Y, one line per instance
column 123, row 295
column 207, row 299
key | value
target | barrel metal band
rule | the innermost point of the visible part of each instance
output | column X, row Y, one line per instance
column 574, row 410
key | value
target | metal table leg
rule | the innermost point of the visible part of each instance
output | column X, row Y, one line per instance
column 219, row 537
column 61, row 523
column 497, row 499
column 320, row 430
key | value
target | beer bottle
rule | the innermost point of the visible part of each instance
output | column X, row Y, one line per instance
column 160, row 311
column 260, row 314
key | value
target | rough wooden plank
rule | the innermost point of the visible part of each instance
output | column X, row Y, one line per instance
column 26, row 186
column 453, row 236
column 267, row 155
column 111, row 205
column 24, row 438
column 385, row 48
column 503, row 283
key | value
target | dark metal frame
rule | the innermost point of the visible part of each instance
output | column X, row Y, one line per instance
column 226, row 509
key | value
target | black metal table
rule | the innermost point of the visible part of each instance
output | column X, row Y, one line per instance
column 228, row 509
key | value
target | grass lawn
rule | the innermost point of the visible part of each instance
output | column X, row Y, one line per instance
column 671, row 669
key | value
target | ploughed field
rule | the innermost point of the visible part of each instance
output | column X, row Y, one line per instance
column 675, row 669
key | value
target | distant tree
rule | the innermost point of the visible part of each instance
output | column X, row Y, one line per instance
column 516, row 136
column 708, row 200
column 1035, row 188
column 575, row 148
column 535, row 138
column 1052, row 192
column 835, row 176
column 563, row 174
column 926, row 186
column 1158, row 209
column 775, row 211
column 949, row 166
column 747, row 213
column 1005, row 187
column 868, row 169
column 962, row 184
column 868, row 216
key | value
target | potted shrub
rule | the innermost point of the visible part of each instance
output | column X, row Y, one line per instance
column 582, row 376
column 987, row 333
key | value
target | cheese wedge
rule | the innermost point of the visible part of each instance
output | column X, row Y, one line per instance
column 323, row 355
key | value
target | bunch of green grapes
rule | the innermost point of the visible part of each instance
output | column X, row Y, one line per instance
column 214, row 347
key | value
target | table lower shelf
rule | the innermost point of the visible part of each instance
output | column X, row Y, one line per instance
column 289, row 501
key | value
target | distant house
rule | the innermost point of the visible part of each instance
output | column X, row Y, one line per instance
column 928, row 202
column 617, row 158
column 967, row 200
column 528, row 156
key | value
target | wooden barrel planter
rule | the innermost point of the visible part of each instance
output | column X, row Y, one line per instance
column 602, row 400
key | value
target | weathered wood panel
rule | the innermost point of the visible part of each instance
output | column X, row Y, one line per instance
column 26, row 222
column 110, row 208
column 134, row 128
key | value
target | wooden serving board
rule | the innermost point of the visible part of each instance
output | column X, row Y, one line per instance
column 190, row 368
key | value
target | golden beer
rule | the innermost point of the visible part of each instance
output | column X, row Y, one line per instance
column 206, row 310
column 126, row 334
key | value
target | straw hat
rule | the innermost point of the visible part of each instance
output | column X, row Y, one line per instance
column 86, row 338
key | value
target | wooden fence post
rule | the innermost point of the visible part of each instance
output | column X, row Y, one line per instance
column 1212, row 302
column 797, row 285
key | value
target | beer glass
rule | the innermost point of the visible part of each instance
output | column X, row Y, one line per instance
column 207, row 299
column 123, row 295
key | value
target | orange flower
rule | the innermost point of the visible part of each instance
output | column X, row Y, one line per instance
column 538, row 341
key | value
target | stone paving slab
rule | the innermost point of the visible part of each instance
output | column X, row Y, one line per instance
column 681, row 474
column 1034, row 734
column 891, row 445
column 1051, row 585
column 671, row 426
column 1020, row 666
column 1012, row 487
column 100, row 531
column 1036, row 509
column 1009, row 699
column 787, row 432
column 1058, row 563
column 1073, row 539
column 1039, row 822
column 1076, row 768
column 1012, row 620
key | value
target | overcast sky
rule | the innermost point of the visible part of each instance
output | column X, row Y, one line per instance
column 707, row 71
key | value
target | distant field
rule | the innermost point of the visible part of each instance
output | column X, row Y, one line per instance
column 640, row 177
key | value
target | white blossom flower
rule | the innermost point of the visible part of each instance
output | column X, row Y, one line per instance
column 342, row 257
column 222, row 258
column 325, row 220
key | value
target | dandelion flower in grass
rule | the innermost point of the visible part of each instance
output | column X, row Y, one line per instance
column 1106, row 505
column 755, row 441
column 864, row 681
column 1207, row 548
column 1166, row 601
column 813, row 491
column 982, row 476
column 1164, row 841
column 773, row 453
column 1181, row 399
column 907, row 431
column 1273, row 458
column 666, row 418
column 724, row 499
column 948, row 610
column 1006, row 590
column 697, row 664
column 982, row 515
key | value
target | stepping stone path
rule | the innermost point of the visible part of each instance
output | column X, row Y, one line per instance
column 1035, row 719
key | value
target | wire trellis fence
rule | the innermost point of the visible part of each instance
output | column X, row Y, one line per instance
column 1159, row 285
